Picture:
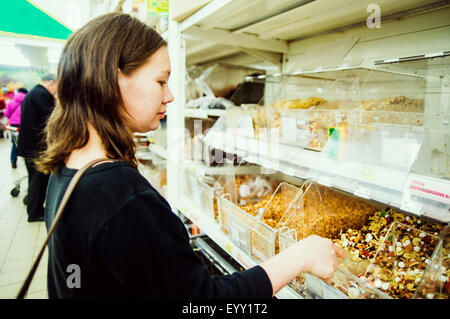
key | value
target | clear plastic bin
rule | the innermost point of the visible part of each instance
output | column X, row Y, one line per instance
column 400, row 261
column 435, row 283
column 254, row 225
column 326, row 212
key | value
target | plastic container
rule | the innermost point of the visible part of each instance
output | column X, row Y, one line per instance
column 400, row 261
column 435, row 283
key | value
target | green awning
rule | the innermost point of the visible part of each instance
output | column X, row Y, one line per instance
column 23, row 18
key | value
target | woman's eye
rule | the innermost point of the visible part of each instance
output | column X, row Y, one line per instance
column 162, row 82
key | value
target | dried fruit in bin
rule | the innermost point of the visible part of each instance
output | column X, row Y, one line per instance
column 300, row 103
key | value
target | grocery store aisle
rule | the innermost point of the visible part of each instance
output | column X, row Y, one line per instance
column 20, row 240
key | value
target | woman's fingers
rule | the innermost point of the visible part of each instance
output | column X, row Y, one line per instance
column 339, row 251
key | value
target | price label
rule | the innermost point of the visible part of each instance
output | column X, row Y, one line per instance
column 239, row 235
column 437, row 190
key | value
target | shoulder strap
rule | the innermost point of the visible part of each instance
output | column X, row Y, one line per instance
column 23, row 290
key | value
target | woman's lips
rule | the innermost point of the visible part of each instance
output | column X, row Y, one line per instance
column 162, row 115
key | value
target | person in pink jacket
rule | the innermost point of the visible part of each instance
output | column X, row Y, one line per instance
column 12, row 112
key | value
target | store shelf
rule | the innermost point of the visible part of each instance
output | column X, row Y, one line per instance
column 202, row 113
column 201, row 169
column 270, row 28
column 158, row 150
column 144, row 155
column 212, row 229
column 362, row 179
column 293, row 36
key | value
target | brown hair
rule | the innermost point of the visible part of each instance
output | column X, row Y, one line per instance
column 88, row 89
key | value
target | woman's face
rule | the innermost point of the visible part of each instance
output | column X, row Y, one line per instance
column 145, row 92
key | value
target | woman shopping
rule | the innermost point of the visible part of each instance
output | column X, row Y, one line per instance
column 117, row 230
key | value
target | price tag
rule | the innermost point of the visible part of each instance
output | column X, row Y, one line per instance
column 239, row 234
column 437, row 190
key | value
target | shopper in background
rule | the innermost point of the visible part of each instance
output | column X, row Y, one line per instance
column 120, row 233
column 12, row 112
column 3, row 119
column 36, row 108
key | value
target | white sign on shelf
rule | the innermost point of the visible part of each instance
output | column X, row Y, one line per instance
column 427, row 187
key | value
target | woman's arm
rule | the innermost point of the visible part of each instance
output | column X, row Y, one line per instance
column 314, row 254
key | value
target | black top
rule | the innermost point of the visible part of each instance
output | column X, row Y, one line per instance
column 37, row 106
column 125, row 242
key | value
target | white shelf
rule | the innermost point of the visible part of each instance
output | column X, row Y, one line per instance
column 144, row 155
column 202, row 113
column 202, row 169
column 212, row 229
column 158, row 150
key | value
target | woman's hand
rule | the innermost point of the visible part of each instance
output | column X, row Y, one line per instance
column 314, row 254
column 319, row 256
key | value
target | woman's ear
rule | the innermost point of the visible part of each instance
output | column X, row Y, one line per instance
column 121, row 78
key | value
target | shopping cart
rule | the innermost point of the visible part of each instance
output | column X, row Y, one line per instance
column 13, row 133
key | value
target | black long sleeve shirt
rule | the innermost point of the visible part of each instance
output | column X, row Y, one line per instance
column 118, row 238
column 37, row 106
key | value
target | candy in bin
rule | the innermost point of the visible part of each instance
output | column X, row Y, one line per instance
column 435, row 283
column 400, row 261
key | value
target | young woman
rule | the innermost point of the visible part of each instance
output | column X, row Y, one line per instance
column 117, row 232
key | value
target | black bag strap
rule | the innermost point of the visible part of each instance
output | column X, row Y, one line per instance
column 26, row 285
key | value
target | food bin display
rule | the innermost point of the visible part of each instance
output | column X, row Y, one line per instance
column 435, row 283
column 401, row 259
column 325, row 212
column 308, row 106
column 386, row 266
column 254, row 220
column 360, row 229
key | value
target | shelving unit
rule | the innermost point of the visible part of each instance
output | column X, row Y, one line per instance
column 304, row 38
